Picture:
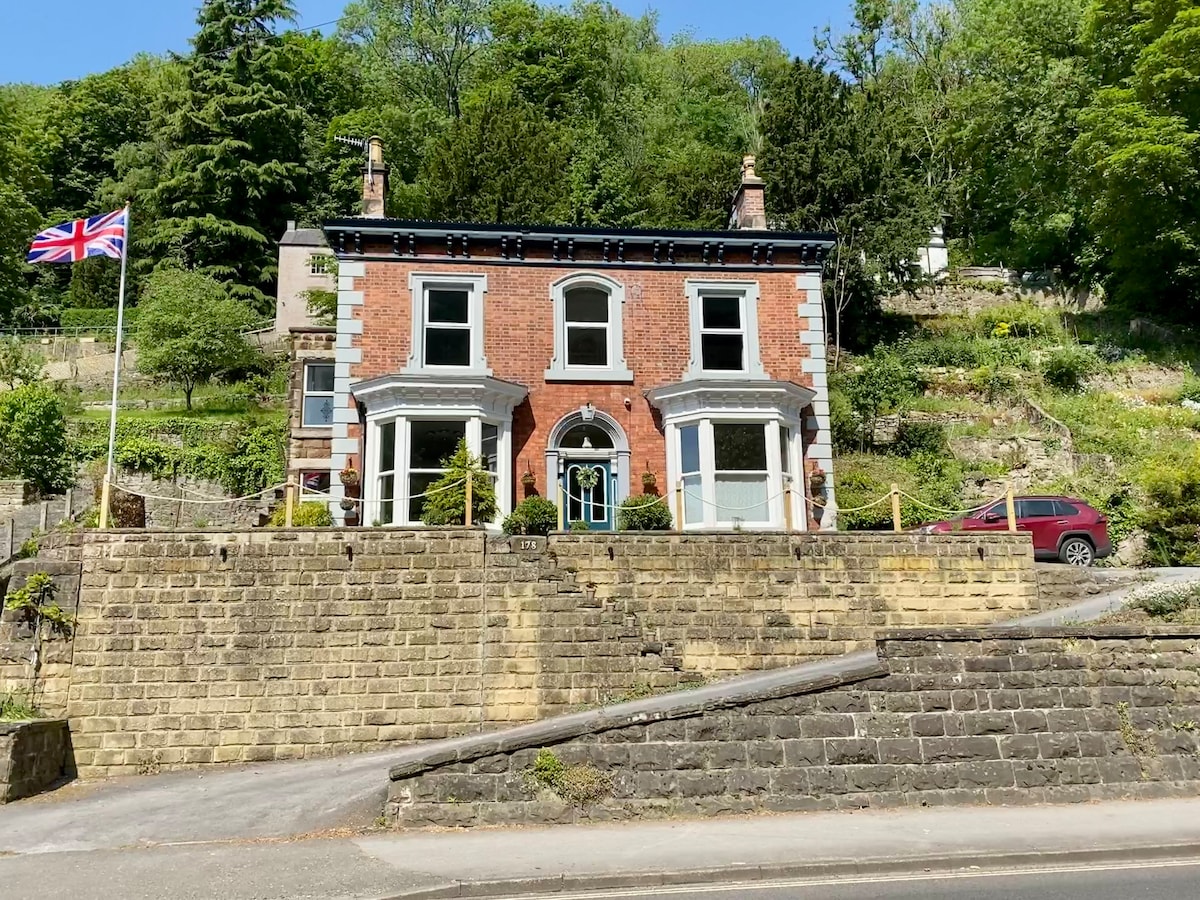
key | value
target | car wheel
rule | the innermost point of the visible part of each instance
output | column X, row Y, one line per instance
column 1077, row 552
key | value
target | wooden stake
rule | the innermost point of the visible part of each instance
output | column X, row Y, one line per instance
column 1011, row 507
column 289, row 503
column 787, row 505
column 562, row 509
column 896, row 519
column 679, row 505
column 470, row 492
column 104, row 493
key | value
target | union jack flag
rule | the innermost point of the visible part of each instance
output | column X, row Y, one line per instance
column 72, row 241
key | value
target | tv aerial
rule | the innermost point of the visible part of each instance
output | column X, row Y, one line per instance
column 363, row 144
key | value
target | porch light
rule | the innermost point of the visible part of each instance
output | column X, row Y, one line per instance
column 587, row 411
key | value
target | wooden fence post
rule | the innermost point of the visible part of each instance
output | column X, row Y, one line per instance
column 289, row 503
column 562, row 509
column 679, row 505
column 896, row 518
column 1011, row 508
column 470, row 499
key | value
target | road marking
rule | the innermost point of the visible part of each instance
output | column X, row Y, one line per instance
column 776, row 884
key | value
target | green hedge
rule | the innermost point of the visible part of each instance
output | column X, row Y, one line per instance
column 95, row 318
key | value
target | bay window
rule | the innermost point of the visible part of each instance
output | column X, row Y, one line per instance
column 731, row 451
column 415, row 423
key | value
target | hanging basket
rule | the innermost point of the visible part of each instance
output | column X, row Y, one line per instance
column 528, row 479
column 349, row 477
column 348, row 504
column 649, row 479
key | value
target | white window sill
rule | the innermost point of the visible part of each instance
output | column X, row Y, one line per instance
column 447, row 371
column 313, row 431
column 723, row 375
column 622, row 375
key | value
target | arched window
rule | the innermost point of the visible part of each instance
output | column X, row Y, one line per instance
column 588, row 332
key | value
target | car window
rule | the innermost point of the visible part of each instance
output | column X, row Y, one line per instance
column 1063, row 508
column 1034, row 509
column 999, row 509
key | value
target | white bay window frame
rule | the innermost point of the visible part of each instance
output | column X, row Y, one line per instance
column 615, row 368
column 777, row 407
column 420, row 284
column 404, row 399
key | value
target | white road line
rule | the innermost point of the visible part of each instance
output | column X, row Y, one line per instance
column 748, row 886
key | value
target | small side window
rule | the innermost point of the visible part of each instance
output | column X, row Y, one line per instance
column 1036, row 509
column 1064, row 509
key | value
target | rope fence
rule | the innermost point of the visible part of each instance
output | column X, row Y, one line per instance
column 295, row 493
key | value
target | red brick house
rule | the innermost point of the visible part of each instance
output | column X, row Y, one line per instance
column 697, row 357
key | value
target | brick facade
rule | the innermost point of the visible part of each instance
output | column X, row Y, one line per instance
column 514, row 386
column 199, row 647
column 309, row 449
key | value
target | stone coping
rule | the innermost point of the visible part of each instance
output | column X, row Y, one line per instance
column 1020, row 632
column 7, row 728
column 770, row 685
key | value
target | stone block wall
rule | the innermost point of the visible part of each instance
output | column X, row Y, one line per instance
column 42, row 677
column 198, row 647
column 943, row 717
column 33, row 756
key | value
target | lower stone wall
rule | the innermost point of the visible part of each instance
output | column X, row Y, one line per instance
column 33, row 756
column 199, row 647
column 951, row 717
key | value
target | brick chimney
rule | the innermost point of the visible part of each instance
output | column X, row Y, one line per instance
column 375, row 181
column 749, row 206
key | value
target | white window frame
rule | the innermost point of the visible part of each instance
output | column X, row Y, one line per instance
column 708, row 467
column 319, row 264
column 401, row 461
column 419, row 285
column 305, row 393
column 616, row 368
column 747, row 294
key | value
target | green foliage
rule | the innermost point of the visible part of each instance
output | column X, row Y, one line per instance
column 864, row 478
column 19, row 363
column 244, row 457
column 1067, row 369
column 309, row 514
column 33, row 438
column 914, row 438
column 1165, row 601
column 580, row 785
column 533, row 515
column 1018, row 320
column 18, row 706
column 993, row 382
column 1171, row 519
column 843, row 422
column 643, row 512
column 579, row 527
column 881, row 384
column 446, row 499
column 35, row 601
column 97, row 318
column 189, row 331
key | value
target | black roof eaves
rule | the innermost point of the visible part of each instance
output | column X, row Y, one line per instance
column 392, row 225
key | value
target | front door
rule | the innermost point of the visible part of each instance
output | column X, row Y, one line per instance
column 587, row 487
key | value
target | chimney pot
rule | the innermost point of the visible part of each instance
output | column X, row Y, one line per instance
column 291, row 225
column 375, row 180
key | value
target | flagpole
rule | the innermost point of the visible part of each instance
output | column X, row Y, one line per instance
column 112, row 413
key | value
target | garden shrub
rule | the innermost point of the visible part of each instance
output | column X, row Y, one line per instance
column 1017, row 320
column 644, row 512
column 1067, row 369
column 843, row 423
column 33, row 438
column 864, row 478
column 533, row 515
column 310, row 514
column 446, row 499
column 1162, row 601
column 1171, row 517
column 96, row 318
column 913, row 438
column 992, row 382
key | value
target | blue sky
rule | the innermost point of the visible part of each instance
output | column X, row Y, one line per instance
column 72, row 38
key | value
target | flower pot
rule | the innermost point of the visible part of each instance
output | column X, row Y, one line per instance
column 649, row 480
column 349, row 477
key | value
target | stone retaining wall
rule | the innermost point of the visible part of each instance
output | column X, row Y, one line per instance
column 198, row 647
column 941, row 717
column 33, row 756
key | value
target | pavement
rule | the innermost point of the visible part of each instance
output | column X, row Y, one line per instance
column 301, row 829
column 879, row 845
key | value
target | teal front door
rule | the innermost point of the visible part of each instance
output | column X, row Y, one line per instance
column 587, row 486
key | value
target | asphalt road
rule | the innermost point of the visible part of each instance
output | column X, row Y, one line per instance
column 1154, row 881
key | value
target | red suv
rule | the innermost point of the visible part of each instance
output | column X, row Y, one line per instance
column 1063, row 528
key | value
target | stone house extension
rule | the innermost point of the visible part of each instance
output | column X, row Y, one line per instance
column 694, row 356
